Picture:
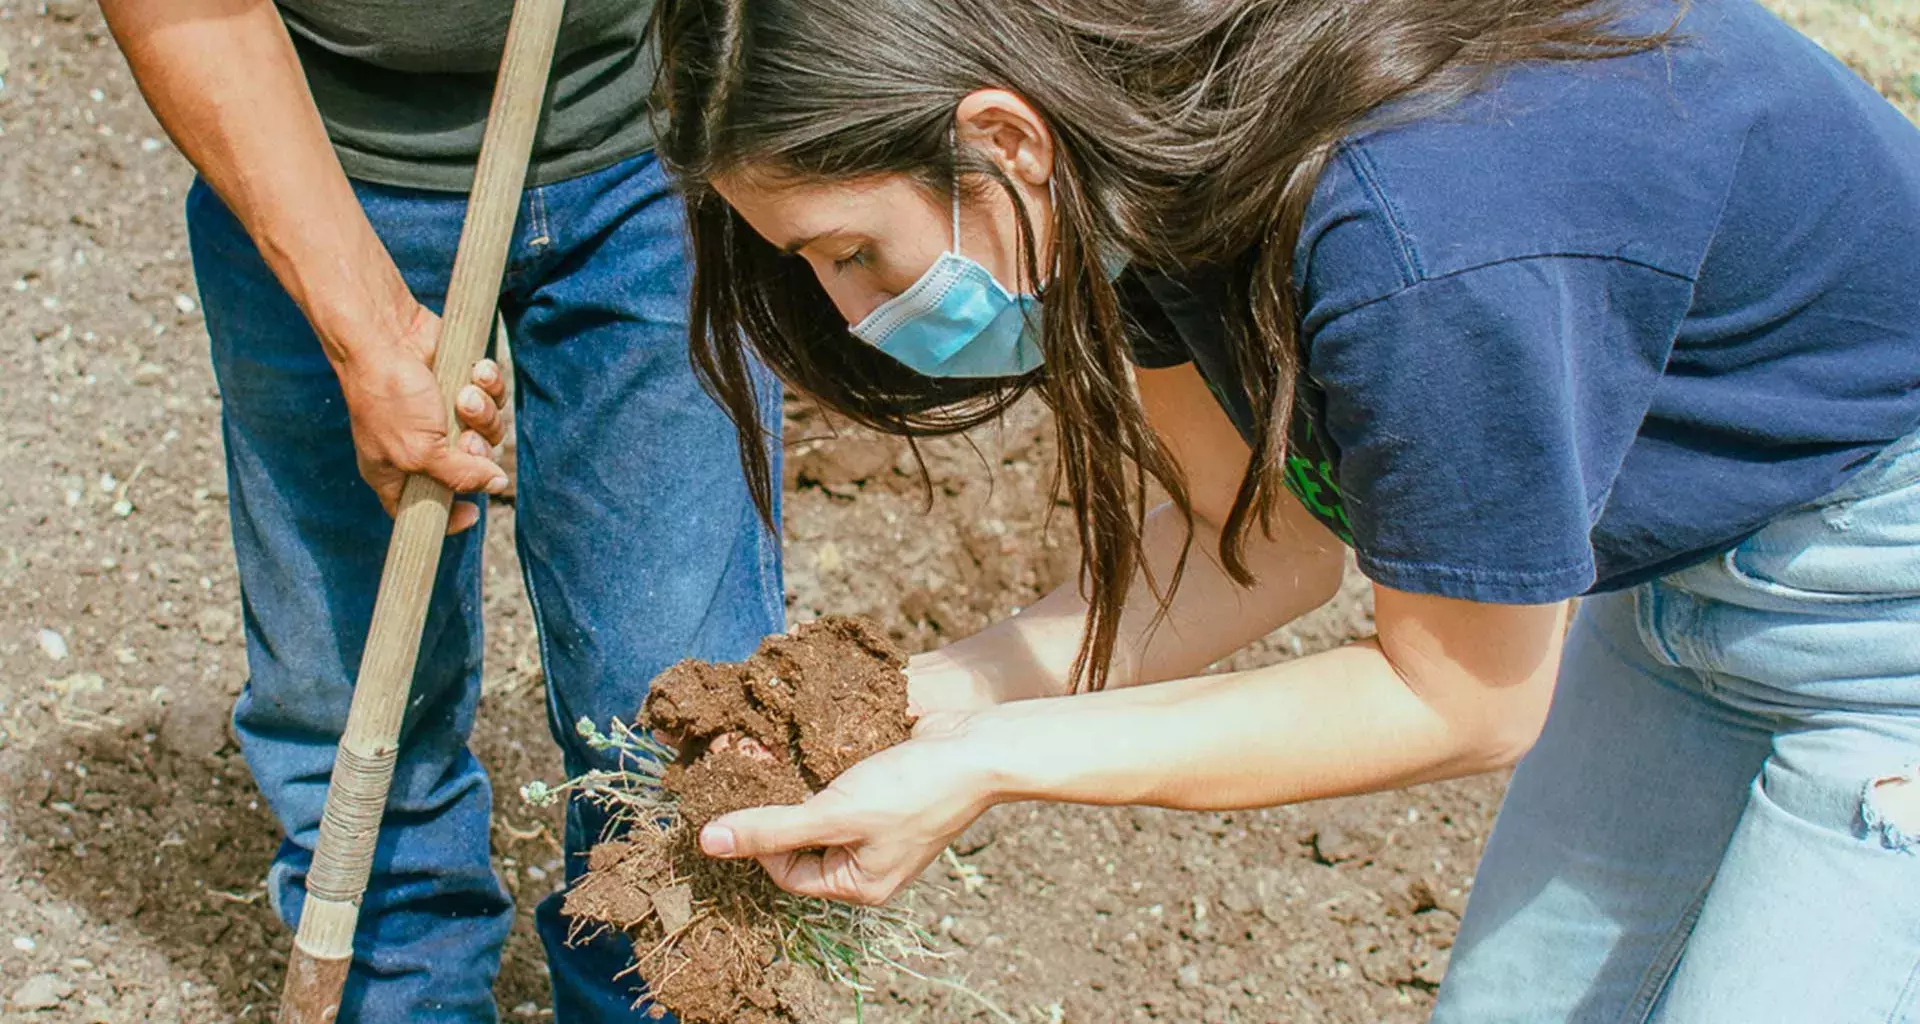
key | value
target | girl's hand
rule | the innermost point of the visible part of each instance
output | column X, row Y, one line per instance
column 863, row 838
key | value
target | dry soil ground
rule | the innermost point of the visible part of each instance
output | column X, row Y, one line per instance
column 132, row 843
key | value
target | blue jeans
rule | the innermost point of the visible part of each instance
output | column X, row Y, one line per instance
column 1699, row 837
column 639, row 542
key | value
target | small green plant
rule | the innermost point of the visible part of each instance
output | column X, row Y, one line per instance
column 632, row 793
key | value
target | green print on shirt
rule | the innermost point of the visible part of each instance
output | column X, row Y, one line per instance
column 1310, row 476
column 1314, row 481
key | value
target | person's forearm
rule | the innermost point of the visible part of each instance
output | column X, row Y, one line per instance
column 224, row 81
column 1338, row 723
column 1031, row 654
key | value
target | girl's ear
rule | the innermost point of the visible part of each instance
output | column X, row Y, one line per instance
column 1007, row 130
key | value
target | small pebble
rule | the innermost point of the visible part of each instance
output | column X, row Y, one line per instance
column 1333, row 844
column 215, row 625
column 1237, row 899
column 183, row 303
column 53, row 644
column 24, row 944
column 827, row 559
column 1432, row 970
column 41, row 992
column 966, row 931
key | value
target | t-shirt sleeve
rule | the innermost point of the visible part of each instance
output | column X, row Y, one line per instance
column 1156, row 343
column 1481, row 417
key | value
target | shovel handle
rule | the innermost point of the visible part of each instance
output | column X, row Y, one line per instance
column 363, row 769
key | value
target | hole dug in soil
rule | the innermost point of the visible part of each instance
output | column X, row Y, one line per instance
column 716, row 941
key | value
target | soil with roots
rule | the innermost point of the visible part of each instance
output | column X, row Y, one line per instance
column 133, row 844
column 711, row 936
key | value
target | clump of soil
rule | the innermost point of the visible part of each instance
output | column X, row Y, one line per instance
column 709, row 936
column 785, row 722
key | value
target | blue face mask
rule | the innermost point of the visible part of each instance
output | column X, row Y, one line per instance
column 958, row 321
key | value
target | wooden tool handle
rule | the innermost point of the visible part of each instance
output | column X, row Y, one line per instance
column 363, row 769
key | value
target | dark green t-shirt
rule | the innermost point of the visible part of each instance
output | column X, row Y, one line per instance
column 404, row 85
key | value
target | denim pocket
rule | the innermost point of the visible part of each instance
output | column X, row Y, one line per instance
column 1860, row 550
column 1859, row 545
column 1819, row 584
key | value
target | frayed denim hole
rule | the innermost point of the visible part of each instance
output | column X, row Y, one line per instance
column 1890, row 810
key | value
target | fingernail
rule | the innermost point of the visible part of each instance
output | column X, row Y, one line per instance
column 470, row 400
column 485, row 370
column 496, row 485
column 717, row 841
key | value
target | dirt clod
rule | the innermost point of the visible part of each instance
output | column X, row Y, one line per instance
column 769, row 730
column 732, row 778
column 820, row 699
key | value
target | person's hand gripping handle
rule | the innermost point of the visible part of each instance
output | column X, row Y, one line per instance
column 363, row 769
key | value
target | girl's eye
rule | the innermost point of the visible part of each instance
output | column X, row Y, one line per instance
column 857, row 258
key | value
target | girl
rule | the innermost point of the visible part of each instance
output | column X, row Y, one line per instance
column 1521, row 300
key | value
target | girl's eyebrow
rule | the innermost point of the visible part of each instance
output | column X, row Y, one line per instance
column 801, row 243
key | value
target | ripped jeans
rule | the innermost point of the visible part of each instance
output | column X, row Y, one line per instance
column 1718, row 825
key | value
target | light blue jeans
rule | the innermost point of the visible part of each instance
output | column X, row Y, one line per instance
column 1698, row 838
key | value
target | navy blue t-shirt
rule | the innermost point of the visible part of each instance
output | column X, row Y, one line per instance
column 1599, row 321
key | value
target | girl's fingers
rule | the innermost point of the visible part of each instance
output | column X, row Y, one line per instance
column 823, row 874
column 762, row 831
column 796, row 871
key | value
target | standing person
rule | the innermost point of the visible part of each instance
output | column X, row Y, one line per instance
column 1519, row 300
column 334, row 143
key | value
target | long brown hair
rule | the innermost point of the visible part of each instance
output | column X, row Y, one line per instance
column 1189, row 133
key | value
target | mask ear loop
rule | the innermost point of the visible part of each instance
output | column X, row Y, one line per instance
column 953, row 144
